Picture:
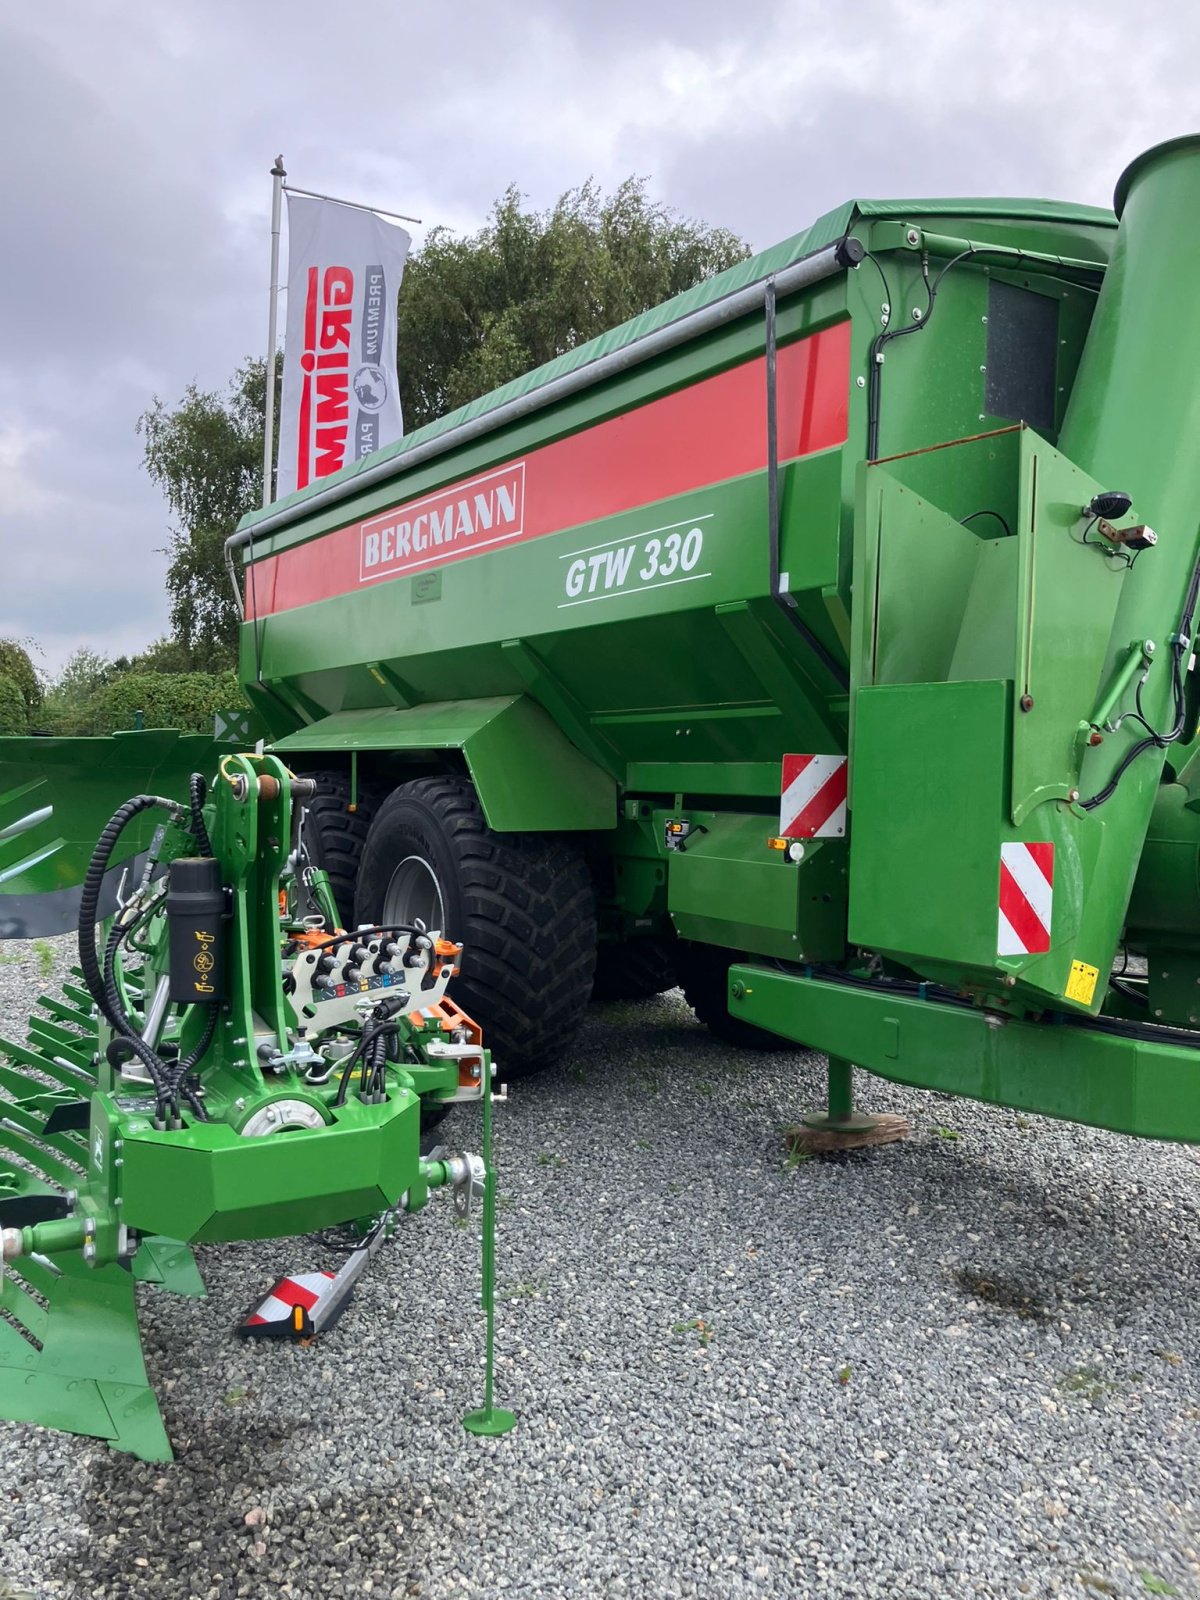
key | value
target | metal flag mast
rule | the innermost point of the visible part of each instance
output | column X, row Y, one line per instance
column 278, row 174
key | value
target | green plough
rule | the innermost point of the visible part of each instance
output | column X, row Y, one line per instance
column 225, row 1063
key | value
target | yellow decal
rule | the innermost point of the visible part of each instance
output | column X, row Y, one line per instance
column 1081, row 985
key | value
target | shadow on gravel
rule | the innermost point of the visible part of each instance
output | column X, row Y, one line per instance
column 1002, row 1295
column 165, row 1532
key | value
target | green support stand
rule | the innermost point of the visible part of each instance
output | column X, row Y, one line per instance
column 489, row 1420
column 839, row 1126
column 839, row 1115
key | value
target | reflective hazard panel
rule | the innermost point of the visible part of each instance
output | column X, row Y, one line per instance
column 1026, row 899
column 812, row 801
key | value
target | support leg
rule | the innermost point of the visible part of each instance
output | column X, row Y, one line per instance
column 490, row 1420
column 839, row 1126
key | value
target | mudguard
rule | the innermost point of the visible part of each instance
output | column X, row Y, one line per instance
column 529, row 777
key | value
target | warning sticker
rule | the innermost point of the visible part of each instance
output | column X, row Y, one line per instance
column 1081, row 985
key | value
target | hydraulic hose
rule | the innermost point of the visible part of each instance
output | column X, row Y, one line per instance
column 168, row 1078
column 89, row 900
column 197, row 790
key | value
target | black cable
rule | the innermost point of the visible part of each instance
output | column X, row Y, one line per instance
column 875, row 375
column 369, row 931
column 1003, row 521
column 89, row 899
column 197, row 791
column 1127, row 989
column 1181, row 646
column 100, row 978
column 936, row 994
column 339, row 1098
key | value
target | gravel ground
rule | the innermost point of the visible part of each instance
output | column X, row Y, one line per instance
column 968, row 1364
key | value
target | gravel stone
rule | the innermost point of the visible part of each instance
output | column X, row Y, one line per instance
column 956, row 1366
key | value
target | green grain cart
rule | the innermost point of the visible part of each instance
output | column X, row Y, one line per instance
column 821, row 640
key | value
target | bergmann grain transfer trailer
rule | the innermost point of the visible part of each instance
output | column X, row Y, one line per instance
column 822, row 639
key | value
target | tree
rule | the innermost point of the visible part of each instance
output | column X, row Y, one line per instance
column 70, row 694
column 13, row 716
column 206, row 457
column 20, row 675
column 473, row 313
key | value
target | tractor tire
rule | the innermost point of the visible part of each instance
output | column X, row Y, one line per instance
column 337, row 836
column 521, row 904
column 704, row 978
column 635, row 969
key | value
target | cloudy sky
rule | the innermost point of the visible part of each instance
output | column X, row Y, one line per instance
column 135, row 143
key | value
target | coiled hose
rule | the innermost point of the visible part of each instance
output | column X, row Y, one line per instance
column 100, row 978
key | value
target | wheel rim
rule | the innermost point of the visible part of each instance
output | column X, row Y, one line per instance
column 414, row 894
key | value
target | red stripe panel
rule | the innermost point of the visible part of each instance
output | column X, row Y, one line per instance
column 823, row 804
column 710, row 431
column 1043, row 855
column 1023, row 919
column 793, row 766
column 295, row 1294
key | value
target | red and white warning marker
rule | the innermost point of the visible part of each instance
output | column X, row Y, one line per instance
column 812, row 804
column 1026, row 898
column 303, row 1305
column 275, row 1314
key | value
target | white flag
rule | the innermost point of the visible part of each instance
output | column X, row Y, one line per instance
column 340, row 396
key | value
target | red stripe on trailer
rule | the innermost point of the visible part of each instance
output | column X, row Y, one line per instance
column 1026, row 898
column 700, row 435
column 813, row 797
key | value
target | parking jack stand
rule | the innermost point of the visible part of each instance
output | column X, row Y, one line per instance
column 489, row 1420
column 839, row 1126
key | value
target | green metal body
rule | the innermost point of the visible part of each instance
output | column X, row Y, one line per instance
column 790, row 530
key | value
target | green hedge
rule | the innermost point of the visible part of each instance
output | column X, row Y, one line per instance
column 13, row 716
column 185, row 700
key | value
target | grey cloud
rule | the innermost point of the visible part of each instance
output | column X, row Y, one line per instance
column 134, row 147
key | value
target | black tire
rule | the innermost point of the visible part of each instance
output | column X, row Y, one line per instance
column 337, row 836
column 635, row 969
column 704, row 978
column 521, row 904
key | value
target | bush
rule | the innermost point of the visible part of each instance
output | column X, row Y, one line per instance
column 185, row 700
column 13, row 716
column 17, row 669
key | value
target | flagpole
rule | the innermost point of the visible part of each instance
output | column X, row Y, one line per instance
column 278, row 174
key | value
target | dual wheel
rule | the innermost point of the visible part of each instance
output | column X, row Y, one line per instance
column 522, row 905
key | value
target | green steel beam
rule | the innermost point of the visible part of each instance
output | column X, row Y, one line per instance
column 1053, row 1068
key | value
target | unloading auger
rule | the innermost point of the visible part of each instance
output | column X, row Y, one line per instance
column 227, row 1064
